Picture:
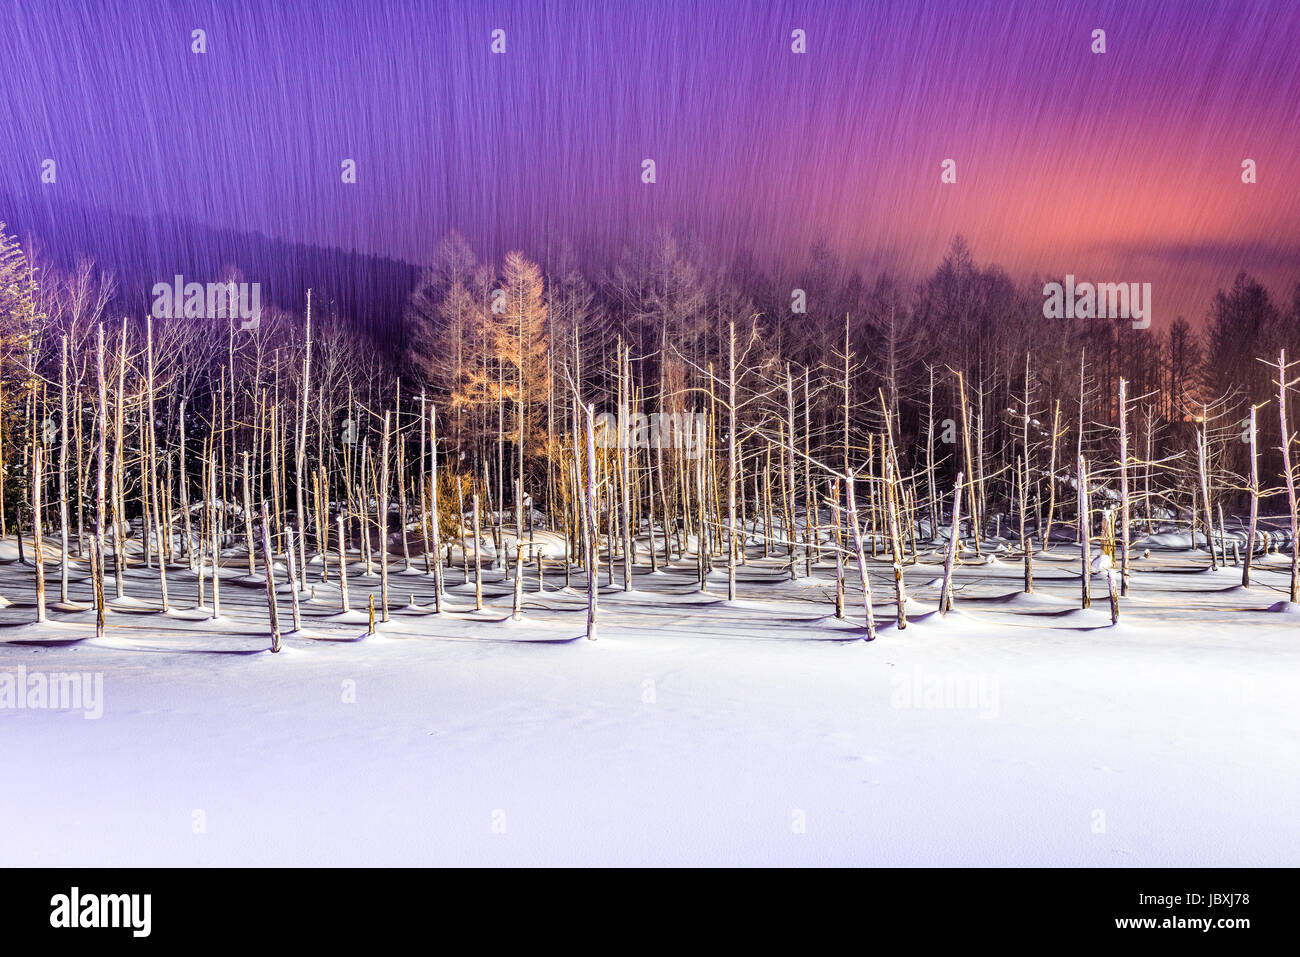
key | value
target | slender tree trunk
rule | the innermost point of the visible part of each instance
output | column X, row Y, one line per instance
column 293, row 578
column 268, row 561
column 593, row 530
column 344, row 603
column 860, row 553
column 1123, row 488
column 1114, row 596
column 954, row 544
column 895, row 538
column 248, row 522
column 839, row 551
column 119, row 467
column 214, row 527
column 63, row 472
column 383, row 522
column 1202, row 468
column 970, row 465
column 434, row 522
column 1289, row 475
column 791, row 531
column 478, row 562
column 732, row 541
column 1051, row 477
column 300, row 454
column 1085, row 541
column 1254, row 503
column 38, row 552
column 100, row 489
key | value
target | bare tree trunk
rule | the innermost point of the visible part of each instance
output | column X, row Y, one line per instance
column 300, row 454
column 1029, row 566
column 100, row 489
column 151, row 445
column 970, row 465
column 119, row 498
column 791, row 532
column 1254, row 503
column 1123, row 488
column 1202, row 469
column 268, row 562
column 1025, row 545
column 1051, row 476
column 424, row 492
column 625, row 459
column 839, row 551
column 860, row 553
column 478, row 562
column 248, row 522
column 732, row 543
column 954, row 540
column 593, row 530
column 343, row 565
column 293, row 578
column 214, row 529
column 38, row 552
column 63, row 473
column 931, row 486
column 1114, row 596
column 1289, row 475
column 401, row 499
column 183, row 481
column 1085, row 541
column 383, row 523
column 895, row 538
column 811, row 526
column 434, row 522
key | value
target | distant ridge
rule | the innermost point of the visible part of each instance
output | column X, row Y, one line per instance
column 368, row 291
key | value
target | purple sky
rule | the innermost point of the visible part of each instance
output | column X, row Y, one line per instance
column 1120, row 166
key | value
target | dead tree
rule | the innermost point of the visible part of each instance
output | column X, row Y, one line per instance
column 950, row 559
column 151, row 443
column 63, row 472
column 1123, row 487
column 215, row 531
column 101, row 481
column 436, row 530
column 382, row 504
column 293, row 578
column 970, row 464
column 1288, row 474
column 248, row 522
column 300, row 451
column 1254, row 501
column 268, row 561
column 1085, row 542
column 343, row 565
column 861, row 555
column 593, row 531
column 478, row 562
column 38, row 553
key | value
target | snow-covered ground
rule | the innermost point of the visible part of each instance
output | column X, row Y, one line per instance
column 1019, row 730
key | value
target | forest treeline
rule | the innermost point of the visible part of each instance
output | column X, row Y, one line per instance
column 808, row 393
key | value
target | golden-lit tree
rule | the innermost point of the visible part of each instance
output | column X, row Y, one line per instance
column 19, row 315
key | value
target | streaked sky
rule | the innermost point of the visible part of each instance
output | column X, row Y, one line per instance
column 1122, row 166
